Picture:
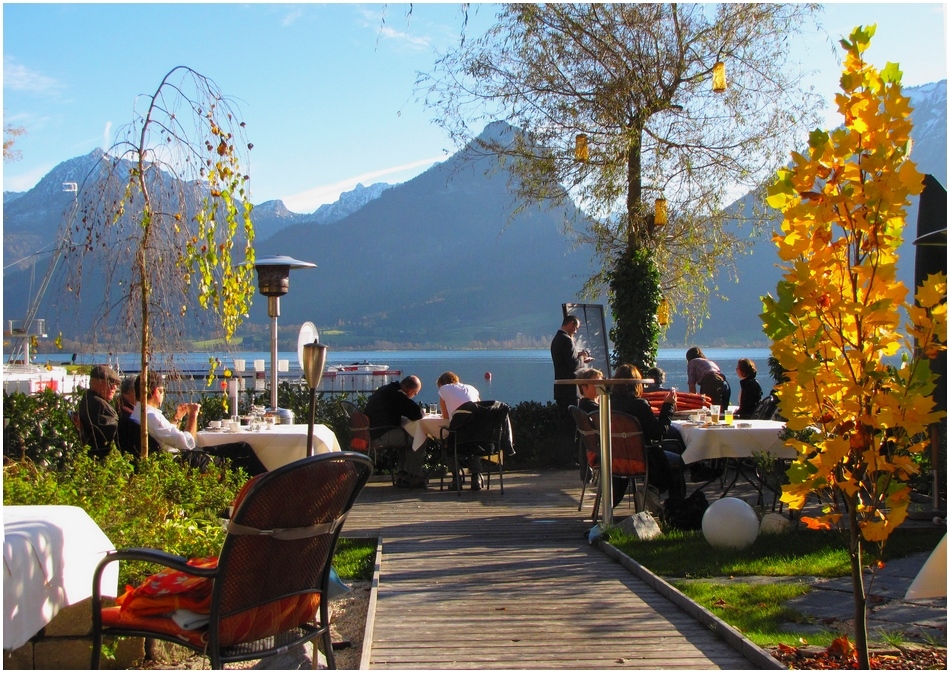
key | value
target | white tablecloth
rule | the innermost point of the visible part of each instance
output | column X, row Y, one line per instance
column 279, row 444
column 49, row 556
column 730, row 441
column 427, row 426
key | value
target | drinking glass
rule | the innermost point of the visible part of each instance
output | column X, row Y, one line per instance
column 729, row 415
column 714, row 413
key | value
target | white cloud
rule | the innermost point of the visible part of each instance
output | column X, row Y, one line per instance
column 20, row 78
column 311, row 199
column 291, row 17
column 107, row 136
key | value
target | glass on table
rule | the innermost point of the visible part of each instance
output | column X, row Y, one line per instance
column 729, row 415
column 714, row 413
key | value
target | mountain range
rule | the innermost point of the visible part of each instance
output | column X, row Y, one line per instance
column 443, row 260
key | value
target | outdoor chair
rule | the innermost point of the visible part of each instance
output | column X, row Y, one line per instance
column 361, row 437
column 590, row 446
column 266, row 591
column 479, row 429
column 628, row 452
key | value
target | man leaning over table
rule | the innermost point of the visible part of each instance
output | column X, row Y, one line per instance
column 453, row 394
column 170, row 435
column 386, row 408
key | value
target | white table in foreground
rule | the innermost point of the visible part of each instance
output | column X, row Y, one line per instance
column 730, row 441
column 50, row 553
column 425, row 427
column 278, row 445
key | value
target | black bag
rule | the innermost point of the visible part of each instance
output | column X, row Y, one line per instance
column 767, row 408
column 685, row 513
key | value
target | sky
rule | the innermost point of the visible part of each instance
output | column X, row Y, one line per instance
column 326, row 90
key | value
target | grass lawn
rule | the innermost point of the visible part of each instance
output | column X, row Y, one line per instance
column 758, row 610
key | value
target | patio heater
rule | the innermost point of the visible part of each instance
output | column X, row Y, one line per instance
column 273, row 280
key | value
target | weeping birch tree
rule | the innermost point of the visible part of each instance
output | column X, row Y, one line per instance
column 617, row 109
column 160, row 217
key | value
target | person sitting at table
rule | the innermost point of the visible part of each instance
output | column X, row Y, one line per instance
column 706, row 374
column 659, row 378
column 666, row 467
column 453, row 394
column 750, row 392
column 588, row 402
column 169, row 435
column 386, row 408
column 98, row 419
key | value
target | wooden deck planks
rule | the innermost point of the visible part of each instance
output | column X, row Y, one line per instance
column 487, row 581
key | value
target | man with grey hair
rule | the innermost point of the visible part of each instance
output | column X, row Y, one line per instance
column 386, row 408
column 98, row 419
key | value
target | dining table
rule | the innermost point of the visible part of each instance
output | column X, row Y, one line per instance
column 736, row 443
column 274, row 445
column 429, row 426
column 50, row 553
column 606, row 466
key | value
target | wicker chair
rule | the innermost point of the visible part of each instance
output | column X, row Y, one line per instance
column 628, row 453
column 590, row 442
column 267, row 589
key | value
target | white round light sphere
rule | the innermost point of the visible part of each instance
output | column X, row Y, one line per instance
column 730, row 523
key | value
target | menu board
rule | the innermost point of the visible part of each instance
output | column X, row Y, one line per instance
column 592, row 334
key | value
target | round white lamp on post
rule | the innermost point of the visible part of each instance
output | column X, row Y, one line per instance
column 273, row 280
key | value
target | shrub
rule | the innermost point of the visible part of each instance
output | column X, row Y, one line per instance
column 38, row 427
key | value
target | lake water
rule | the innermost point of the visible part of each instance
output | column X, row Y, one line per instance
column 515, row 375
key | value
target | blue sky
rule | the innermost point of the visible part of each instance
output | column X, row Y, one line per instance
column 326, row 89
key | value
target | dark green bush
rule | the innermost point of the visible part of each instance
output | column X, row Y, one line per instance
column 38, row 427
column 163, row 505
column 534, row 426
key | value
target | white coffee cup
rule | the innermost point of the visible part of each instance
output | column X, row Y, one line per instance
column 234, row 426
column 214, row 425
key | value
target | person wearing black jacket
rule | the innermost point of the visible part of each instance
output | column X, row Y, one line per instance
column 98, row 419
column 386, row 408
column 750, row 392
column 567, row 361
column 666, row 467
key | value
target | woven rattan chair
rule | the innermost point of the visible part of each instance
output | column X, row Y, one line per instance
column 267, row 590
column 628, row 452
column 361, row 437
column 590, row 442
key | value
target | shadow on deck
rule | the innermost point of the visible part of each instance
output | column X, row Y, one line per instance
column 489, row 581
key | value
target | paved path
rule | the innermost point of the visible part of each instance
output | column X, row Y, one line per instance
column 490, row 581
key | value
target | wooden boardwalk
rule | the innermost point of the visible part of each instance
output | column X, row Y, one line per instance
column 487, row 581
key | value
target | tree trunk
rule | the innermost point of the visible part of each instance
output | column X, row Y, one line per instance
column 857, row 586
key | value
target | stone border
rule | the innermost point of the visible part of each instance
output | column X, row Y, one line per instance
column 734, row 638
column 367, row 649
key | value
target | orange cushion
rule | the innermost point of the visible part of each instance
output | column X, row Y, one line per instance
column 259, row 622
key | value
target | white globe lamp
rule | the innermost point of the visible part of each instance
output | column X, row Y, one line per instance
column 730, row 523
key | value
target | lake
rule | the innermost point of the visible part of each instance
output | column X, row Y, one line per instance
column 515, row 375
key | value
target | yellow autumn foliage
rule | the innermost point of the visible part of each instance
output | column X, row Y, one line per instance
column 836, row 316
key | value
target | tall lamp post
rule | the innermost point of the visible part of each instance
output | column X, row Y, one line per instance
column 273, row 280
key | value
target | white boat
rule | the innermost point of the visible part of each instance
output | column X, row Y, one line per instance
column 32, row 379
column 363, row 367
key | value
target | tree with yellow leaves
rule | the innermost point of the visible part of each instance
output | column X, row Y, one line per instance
column 836, row 317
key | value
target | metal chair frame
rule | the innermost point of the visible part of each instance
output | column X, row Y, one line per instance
column 360, row 428
column 488, row 439
column 283, row 533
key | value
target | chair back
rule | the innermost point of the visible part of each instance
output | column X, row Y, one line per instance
column 588, row 435
column 283, row 533
column 359, row 427
column 483, row 424
column 129, row 437
column 627, row 447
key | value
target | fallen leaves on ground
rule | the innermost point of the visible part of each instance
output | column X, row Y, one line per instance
column 840, row 655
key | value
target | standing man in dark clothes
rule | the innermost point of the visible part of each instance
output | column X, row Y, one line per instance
column 98, row 419
column 386, row 408
column 567, row 360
